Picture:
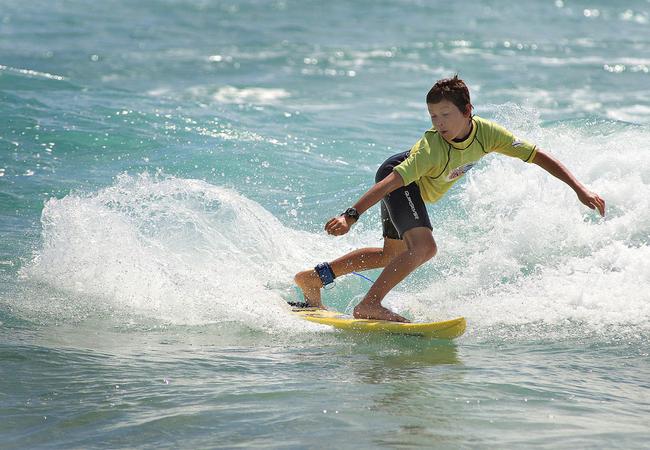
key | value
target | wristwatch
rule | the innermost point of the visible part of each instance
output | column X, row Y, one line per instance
column 351, row 212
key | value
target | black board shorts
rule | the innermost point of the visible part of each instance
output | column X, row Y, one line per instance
column 402, row 209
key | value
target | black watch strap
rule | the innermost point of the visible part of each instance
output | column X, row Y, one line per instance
column 351, row 212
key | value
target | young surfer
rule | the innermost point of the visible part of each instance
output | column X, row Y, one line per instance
column 408, row 180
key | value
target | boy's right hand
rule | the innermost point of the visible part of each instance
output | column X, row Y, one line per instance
column 339, row 225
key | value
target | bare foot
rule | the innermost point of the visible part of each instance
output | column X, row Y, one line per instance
column 377, row 312
column 310, row 284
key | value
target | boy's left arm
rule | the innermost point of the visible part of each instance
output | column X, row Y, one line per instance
column 555, row 168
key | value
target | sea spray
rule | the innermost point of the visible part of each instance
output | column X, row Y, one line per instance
column 179, row 250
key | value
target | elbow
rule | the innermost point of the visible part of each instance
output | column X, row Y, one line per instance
column 396, row 181
column 541, row 158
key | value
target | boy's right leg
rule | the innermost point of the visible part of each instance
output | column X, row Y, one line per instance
column 420, row 247
column 357, row 260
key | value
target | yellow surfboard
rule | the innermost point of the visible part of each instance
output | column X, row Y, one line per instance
column 448, row 329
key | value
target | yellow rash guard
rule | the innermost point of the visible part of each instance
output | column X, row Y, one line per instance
column 435, row 164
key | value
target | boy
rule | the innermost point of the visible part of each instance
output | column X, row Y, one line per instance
column 404, row 182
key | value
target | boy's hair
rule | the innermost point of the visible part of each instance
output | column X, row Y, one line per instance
column 451, row 89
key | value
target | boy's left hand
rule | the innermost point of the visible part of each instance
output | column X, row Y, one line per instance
column 592, row 200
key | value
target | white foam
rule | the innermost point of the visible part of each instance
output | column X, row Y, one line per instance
column 181, row 251
column 251, row 95
column 32, row 73
column 633, row 113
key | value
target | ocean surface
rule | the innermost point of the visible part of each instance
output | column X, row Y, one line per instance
column 167, row 166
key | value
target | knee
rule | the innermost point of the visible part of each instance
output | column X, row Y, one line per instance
column 428, row 250
column 304, row 277
column 424, row 250
column 387, row 257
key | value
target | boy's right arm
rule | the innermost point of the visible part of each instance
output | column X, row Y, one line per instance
column 341, row 224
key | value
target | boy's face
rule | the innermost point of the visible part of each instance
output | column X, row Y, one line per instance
column 448, row 120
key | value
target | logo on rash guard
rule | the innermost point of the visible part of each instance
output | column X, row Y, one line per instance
column 415, row 213
column 460, row 171
column 517, row 143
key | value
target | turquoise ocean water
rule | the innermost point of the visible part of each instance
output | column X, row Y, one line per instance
column 166, row 166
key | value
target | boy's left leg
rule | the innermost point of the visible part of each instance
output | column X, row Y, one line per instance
column 358, row 260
